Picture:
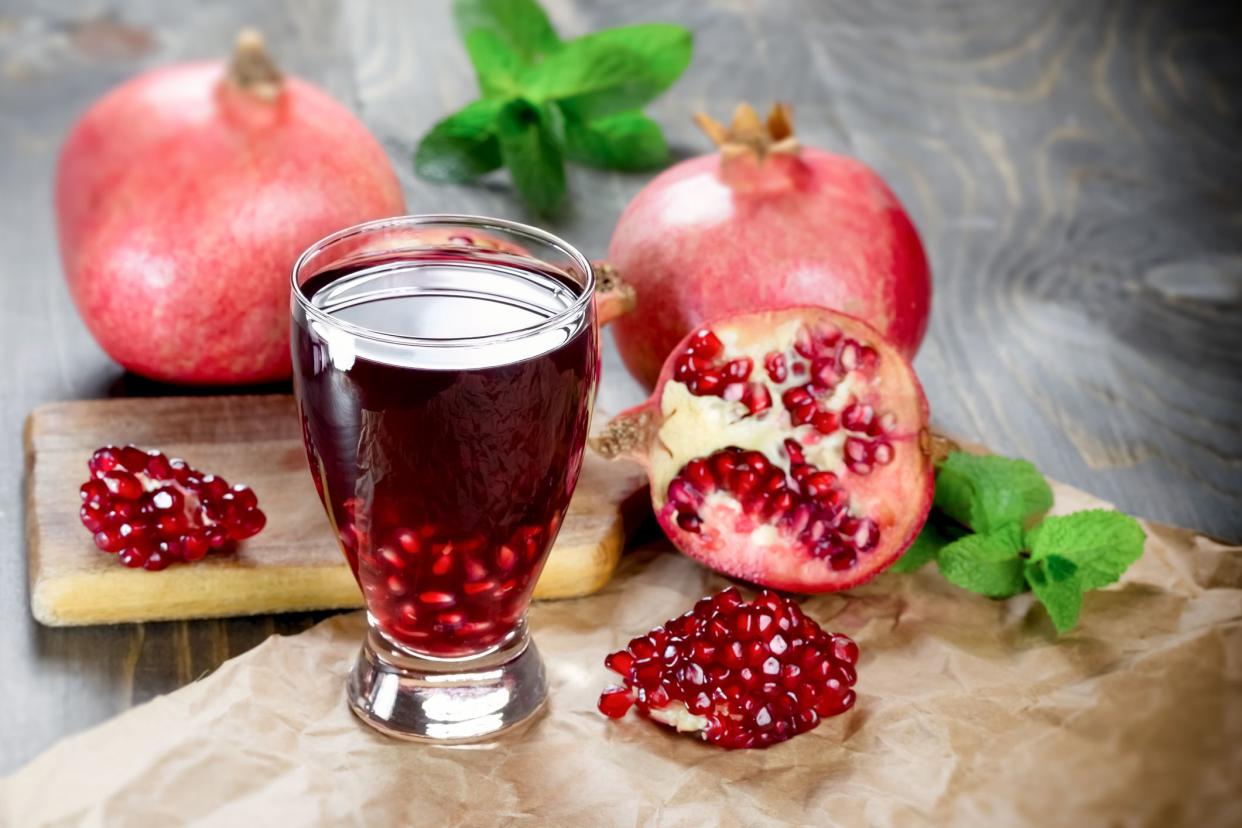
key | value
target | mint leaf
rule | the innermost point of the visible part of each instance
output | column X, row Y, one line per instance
column 925, row 548
column 1101, row 543
column 530, row 151
column 496, row 65
column 988, row 492
column 987, row 564
column 462, row 146
column 611, row 71
column 1060, row 569
column 521, row 26
column 626, row 141
column 1059, row 592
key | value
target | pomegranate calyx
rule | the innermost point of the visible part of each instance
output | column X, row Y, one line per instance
column 252, row 69
column 614, row 297
column 747, row 135
column 938, row 447
column 627, row 435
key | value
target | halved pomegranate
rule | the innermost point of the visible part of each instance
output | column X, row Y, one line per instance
column 738, row 674
column 788, row 448
column 152, row 512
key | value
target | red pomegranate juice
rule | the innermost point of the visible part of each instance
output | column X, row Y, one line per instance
column 446, row 466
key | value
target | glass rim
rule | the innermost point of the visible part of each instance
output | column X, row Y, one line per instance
column 455, row 220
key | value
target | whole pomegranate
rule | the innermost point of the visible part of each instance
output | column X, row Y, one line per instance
column 789, row 448
column 183, row 198
column 765, row 223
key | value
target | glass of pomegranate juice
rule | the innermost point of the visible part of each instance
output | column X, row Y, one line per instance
column 445, row 369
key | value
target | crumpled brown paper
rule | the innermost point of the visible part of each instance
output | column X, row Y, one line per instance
column 970, row 711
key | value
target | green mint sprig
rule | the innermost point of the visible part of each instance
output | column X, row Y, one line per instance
column 545, row 99
column 987, row 534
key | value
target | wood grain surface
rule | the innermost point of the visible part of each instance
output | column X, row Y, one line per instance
column 294, row 563
column 1074, row 168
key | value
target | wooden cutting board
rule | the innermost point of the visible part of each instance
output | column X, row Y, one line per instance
column 293, row 564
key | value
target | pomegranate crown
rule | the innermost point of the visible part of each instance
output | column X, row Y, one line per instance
column 252, row 68
column 747, row 134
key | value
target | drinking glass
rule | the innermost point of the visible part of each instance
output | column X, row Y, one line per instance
column 445, row 369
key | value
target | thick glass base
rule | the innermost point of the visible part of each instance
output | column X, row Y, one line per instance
column 446, row 700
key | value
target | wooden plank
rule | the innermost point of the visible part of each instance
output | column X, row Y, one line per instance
column 293, row 564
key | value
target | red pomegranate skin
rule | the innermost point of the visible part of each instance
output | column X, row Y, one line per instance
column 182, row 203
column 708, row 239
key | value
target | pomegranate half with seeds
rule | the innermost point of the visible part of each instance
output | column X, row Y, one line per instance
column 737, row 674
column 788, row 448
column 152, row 512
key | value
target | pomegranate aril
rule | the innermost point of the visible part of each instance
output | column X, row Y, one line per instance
column 706, row 384
column 93, row 492
column 103, row 460
column 804, row 344
column 243, row 497
column 774, row 364
column 705, row 344
column 796, row 397
column 825, row 422
column 474, row 588
column 615, row 702
column 756, row 398
column 170, row 525
column 133, row 557
column 682, row 492
column 843, row 560
column 132, row 458
column 409, row 541
column 687, row 367
column 92, row 517
column 391, row 559
column 123, row 485
column 856, row 450
column 157, row 560
column 249, row 524
column 857, row 416
column 739, row 369
column 436, row 598
column 848, row 356
column 647, row 672
column 882, row 453
column 506, row 558
column 450, row 620
column 824, row 373
column 619, row 662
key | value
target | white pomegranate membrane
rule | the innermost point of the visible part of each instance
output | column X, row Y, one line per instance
column 789, row 449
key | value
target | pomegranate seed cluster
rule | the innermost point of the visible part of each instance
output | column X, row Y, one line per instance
column 707, row 376
column 153, row 512
column 807, row 502
column 443, row 594
column 743, row 675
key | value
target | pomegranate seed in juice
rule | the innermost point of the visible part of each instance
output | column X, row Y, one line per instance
column 439, row 465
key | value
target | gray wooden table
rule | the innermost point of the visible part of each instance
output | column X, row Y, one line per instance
column 1074, row 168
